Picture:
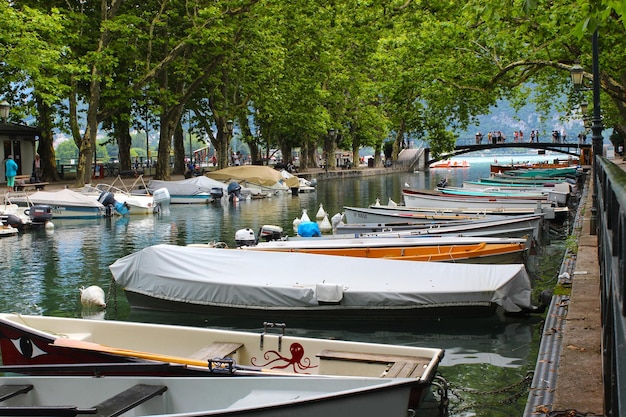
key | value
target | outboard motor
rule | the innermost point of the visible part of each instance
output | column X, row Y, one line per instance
column 12, row 220
column 217, row 193
column 270, row 232
column 108, row 201
column 245, row 237
column 39, row 214
column 234, row 191
column 162, row 199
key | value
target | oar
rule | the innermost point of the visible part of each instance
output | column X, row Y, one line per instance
column 79, row 344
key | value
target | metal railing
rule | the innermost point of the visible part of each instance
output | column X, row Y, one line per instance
column 611, row 230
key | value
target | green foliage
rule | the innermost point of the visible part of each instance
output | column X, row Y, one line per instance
column 66, row 151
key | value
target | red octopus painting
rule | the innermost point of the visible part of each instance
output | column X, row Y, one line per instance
column 297, row 361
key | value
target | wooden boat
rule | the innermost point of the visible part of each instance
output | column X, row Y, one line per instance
column 43, row 344
column 372, row 214
column 450, row 164
column 245, row 396
column 558, row 197
column 386, row 213
column 499, row 168
column 427, row 198
column 482, row 252
column 504, row 226
column 179, row 278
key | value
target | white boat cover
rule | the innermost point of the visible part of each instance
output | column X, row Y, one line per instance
column 191, row 186
column 65, row 197
column 235, row 278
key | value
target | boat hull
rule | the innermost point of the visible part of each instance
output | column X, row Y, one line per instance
column 245, row 396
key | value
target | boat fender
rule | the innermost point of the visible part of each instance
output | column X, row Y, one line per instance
column 309, row 229
column 92, row 296
column 326, row 293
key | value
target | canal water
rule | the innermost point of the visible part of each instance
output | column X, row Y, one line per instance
column 487, row 360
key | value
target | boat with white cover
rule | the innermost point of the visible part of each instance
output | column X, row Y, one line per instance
column 274, row 396
column 64, row 204
column 179, row 278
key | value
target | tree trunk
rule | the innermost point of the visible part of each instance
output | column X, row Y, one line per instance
column 122, row 135
column 45, row 149
column 179, row 150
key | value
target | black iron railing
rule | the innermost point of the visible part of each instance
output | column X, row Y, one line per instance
column 611, row 230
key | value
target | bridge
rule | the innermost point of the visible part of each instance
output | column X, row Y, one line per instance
column 578, row 150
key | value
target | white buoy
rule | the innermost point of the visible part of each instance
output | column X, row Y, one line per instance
column 92, row 296
column 320, row 213
column 325, row 226
column 336, row 220
column 377, row 203
column 296, row 223
column 392, row 203
column 304, row 217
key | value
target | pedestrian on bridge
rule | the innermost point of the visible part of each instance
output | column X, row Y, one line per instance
column 532, row 136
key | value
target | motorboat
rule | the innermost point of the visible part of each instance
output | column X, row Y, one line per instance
column 447, row 164
column 21, row 218
column 427, row 198
column 38, row 345
column 209, row 396
column 135, row 197
column 66, row 204
column 553, row 195
column 178, row 278
column 261, row 177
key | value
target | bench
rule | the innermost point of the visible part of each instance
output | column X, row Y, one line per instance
column 22, row 183
column 216, row 350
column 398, row 366
column 127, row 400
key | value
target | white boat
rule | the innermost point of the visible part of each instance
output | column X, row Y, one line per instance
column 196, row 190
column 304, row 185
column 39, row 344
column 504, row 226
column 175, row 278
column 558, row 197
column 261, row 177
column 435, row 199
column 24, row 217
column 64, row 204
column 209, row 396
column 7, row 230
column 385, row 213
column 135, row 196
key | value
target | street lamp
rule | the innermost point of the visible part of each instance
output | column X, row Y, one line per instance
column 4, row 110
column 596, row 121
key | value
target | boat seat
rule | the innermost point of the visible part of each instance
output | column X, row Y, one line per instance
column 9, row 391
column 216, row 350
column 398, row 366
column 127, row 400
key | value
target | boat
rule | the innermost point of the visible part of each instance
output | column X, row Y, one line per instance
column 558, row 197
column 111, row 396
column 64, row 204
column 135, row 197
column 304, row 185
column 544, row 173
column 22, row 218
column 422, row 248
column 450, row 164
column 7, row 230
column 179, row 278
column 434, row 199
column 504, row 226
column 500, row 167
column 380, row 214
column 195, row 190
column 43, row 344
column 261, row 177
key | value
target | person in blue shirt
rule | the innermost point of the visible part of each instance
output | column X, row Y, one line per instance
column 10, row 170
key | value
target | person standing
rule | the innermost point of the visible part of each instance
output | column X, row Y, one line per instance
column 37, row 169
column 10, row 170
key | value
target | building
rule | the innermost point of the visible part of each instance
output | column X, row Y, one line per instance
column 19, row 141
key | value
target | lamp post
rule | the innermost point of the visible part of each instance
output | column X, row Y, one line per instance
column 4, row 110
column 332, row 134
column 596, row 122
